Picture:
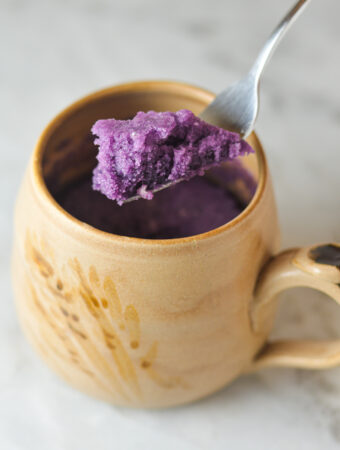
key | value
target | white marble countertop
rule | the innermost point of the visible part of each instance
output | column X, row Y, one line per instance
column 55, row 51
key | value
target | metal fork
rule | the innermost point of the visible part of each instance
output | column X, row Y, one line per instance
column 236, row 108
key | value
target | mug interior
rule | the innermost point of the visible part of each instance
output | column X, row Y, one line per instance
column 66, row 152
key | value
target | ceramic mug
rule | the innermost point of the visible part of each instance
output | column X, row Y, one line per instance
column 154, row 323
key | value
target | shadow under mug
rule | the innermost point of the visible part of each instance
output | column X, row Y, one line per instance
column 154, row 323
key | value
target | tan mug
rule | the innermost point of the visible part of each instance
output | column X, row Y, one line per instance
column 154, row 323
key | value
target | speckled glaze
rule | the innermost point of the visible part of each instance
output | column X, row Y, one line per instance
column 153, row 323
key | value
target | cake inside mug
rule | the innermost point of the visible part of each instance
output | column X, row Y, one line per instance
column 185, row 209
column 204, row 202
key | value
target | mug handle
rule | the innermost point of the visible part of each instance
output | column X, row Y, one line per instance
column 316, row 267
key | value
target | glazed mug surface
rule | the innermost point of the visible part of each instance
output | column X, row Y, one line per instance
column 154, row 323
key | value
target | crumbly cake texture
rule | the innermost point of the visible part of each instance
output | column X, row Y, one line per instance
column 140, row 155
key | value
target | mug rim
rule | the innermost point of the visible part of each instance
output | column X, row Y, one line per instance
column 149, row 85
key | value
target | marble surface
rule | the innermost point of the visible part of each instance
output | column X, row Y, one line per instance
column 52, row 53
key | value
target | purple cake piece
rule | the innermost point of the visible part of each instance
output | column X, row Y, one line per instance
column 139, row 155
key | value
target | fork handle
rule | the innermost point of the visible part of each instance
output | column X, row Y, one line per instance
column 275, row 38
